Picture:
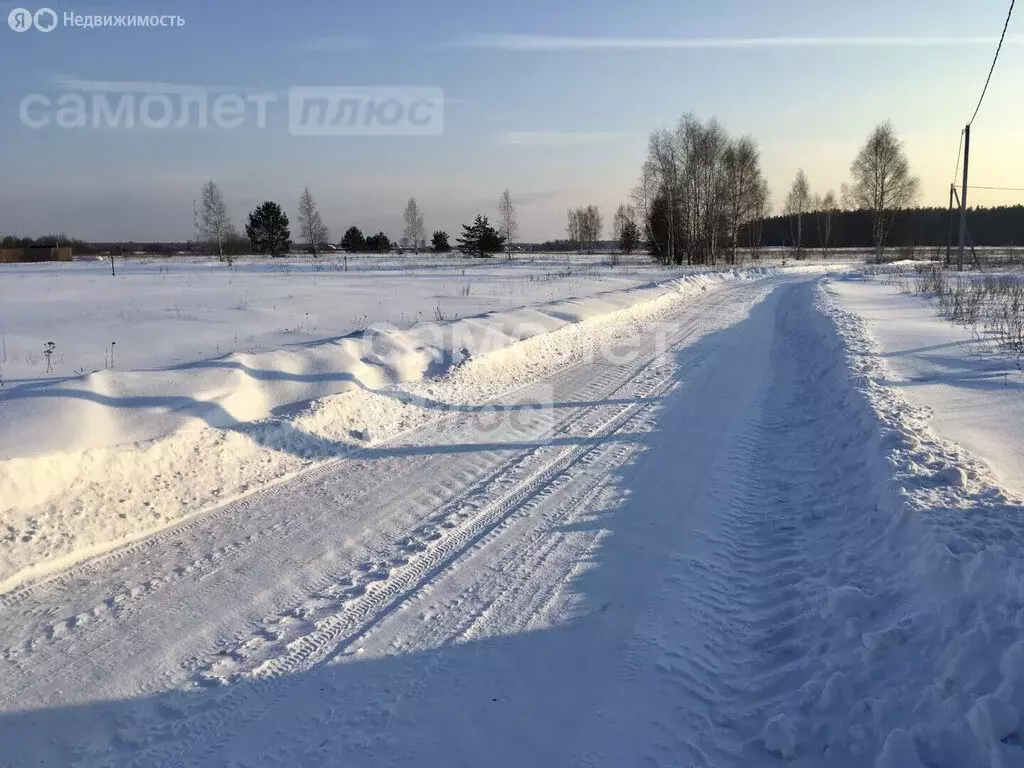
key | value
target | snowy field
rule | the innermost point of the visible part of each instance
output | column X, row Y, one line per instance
column 975, row 395
column 755, row 518
column 161, row 312
column 168, row 342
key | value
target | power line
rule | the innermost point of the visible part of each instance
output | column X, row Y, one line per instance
column 967, row 142
column 1000, row 189
column 959, row 154
column 993, row 68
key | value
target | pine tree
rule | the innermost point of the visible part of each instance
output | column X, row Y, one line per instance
column 378, row 243
column 629, row 238
column 480, row 238
column 439, row 242
column 268, row 229
column 353, row 241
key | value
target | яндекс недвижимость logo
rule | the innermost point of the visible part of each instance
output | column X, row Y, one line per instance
column 22, row 19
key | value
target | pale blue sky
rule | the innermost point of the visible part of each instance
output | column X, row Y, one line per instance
column 553, row 100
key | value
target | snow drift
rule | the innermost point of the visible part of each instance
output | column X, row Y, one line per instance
column 151, row 447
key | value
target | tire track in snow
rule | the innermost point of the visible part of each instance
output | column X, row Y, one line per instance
column 582, row 383
column 752, row 598
column 593, row 388
column 514, row 578
column 339, row 631
column 733, row 634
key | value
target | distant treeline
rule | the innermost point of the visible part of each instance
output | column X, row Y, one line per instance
column 236, row 245
column 48, row 241
column 567, row 246
column 924, row 227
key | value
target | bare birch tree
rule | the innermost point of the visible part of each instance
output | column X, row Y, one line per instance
column 666, row 167
column 762, row 208
column 591, row 225
column 214, row 224
column 414, row 235
column 574, row 227
column 826, row 207
column 797, row 203
column 643, row 195
column 508, row 226
column 742, row 187
column 311, row 226
column 623, row 214
column 882, row 183
column 709, row 143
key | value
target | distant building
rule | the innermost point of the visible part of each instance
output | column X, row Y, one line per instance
column 34, row 253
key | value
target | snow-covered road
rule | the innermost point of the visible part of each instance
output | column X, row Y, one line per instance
column 670, row 556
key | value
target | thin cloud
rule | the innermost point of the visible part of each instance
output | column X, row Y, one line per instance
column 130, row 86
column 555, row 138
column 522, row 199
column 329, row 44
column 147, row 87
column 557, row 43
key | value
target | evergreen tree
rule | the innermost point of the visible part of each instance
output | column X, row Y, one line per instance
column 353, row 241
column 629, row 237
column 268, row 229
column 439, row 242
column 480, row 238
column 378, row 243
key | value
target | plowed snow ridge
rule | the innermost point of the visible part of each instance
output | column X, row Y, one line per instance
column 60, row 508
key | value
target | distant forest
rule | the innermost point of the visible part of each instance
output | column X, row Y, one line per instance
column 923, row 227
column 920, row 227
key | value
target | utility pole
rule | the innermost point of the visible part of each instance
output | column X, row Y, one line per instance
column 949, row 239
column 963, row 199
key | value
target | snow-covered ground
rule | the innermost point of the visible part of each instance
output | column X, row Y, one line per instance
column 173, row 341
column 162, row 312
column 101, row 459
column 176, row 311
column 704, row 526
column 976, row 397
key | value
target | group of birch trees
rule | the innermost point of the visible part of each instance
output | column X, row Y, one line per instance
column 702, row 196
column 700, row 191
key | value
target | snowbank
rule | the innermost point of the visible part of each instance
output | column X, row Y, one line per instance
column 212, row 439
column 925, row 611
column 139, row 355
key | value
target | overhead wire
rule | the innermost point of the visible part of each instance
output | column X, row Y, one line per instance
column 992, row 69
column 959, row 154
